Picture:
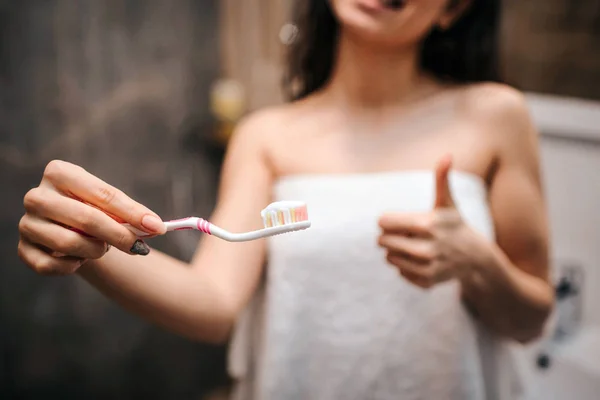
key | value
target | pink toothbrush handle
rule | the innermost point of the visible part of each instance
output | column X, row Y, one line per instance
column 189, row 223
column 183, row 224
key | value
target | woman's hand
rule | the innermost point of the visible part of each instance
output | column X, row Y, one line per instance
column 73, row 216
column 432, row 247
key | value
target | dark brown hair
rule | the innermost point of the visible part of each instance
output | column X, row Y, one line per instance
column 466, row 52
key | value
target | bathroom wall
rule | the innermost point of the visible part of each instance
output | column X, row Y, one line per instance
column 551, row 46
column 573, row 190
column 570, row 148
column 121, row 88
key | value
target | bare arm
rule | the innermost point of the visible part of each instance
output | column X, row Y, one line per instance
column 201, row 301
column 510, row 290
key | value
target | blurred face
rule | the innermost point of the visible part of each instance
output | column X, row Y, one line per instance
column 405, row 24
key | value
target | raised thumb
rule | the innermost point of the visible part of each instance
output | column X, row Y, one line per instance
column 443, row 196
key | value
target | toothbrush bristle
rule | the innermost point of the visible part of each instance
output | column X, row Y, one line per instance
column 284, row 213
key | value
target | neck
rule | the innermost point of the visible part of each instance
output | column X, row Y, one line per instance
column 365, row 75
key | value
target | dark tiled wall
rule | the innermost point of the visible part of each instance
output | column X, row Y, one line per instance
column 553, row 46
column 121, row 88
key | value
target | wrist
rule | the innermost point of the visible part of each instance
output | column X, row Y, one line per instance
column 87, row 267
column 93, row 264
column 480, row 257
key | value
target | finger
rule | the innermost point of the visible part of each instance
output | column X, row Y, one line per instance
column 414, row 248
column 414, row 267
column 43, row 263
column 419, row 274
column 443, row 195
column 74, row 180
column 416, row 224
column 59, row 239
column 417, row 280
column 51, row 205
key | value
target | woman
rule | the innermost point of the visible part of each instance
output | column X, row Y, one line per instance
column 384, row 94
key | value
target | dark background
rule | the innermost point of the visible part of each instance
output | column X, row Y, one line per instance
column 121, row 88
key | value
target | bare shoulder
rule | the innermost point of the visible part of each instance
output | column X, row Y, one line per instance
column 265, row 126
column 257, row 127
column 502, row 110
column 278, row 134
column 496, row 101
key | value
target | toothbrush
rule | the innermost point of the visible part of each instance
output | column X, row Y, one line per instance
column 279, row 217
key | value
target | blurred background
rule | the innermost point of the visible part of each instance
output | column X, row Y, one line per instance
column 144, row 93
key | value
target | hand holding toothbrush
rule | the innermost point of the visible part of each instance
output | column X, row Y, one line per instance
column 77, row 215
column 73, row 216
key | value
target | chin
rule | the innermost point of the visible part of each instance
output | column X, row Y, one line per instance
column 364, row 19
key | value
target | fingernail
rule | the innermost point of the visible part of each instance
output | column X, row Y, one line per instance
column 153, row 223
column 140, row 248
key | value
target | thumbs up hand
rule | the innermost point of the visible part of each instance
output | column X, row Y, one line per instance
column 433, row 247
column 443, row 196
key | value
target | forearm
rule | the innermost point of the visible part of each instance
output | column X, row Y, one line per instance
column 505, row 298
column 162, row 290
